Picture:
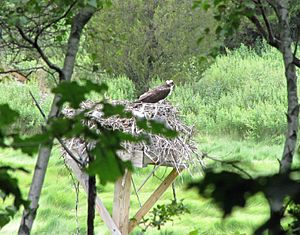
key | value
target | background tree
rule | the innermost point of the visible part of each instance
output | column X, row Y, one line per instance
column 24, row 23
column 278, row 34
column 248, row 34
column 148, row 40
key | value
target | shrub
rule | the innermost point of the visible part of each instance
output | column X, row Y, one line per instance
column 242, row 93
column 119, row 88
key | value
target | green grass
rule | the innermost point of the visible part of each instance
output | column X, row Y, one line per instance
column 56, row 214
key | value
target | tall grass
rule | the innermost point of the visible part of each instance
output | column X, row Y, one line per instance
column 17, row 96
column 56, row 213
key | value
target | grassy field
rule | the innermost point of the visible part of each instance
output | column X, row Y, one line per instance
column 56, row 214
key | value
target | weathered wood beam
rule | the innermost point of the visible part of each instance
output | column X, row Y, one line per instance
column 153, row 199
column 122, row 202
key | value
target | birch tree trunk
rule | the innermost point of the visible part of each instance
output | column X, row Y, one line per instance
column 78, row 23
column 292, row 96
column 292, row 112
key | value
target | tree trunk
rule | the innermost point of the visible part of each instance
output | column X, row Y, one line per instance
column 91, row 205
column 292, row 112
column 79, row 21
column 291, row 79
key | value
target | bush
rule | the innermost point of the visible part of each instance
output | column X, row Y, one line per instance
column 119, row 88
column 242, row 93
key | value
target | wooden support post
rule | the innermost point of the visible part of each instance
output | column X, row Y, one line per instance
column 122, row 202
column 83, row 180
column 152, row 199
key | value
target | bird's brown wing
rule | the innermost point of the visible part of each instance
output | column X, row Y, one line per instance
column 155, row 95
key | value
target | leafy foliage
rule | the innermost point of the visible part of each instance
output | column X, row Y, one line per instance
column 218, row 185
column 161, row 214
column 236, row 95
column 8, row 184
column 74, row 94
column 9, row 187
column 229, row 190
column 155, row 40
column 294, row 212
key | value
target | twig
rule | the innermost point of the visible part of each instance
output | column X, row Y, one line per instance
column 174, row 191
column 228, row 163
column 59, row 140
column 41, row 52
column 136, row 193
column 148, row 177
column 38, row 106
column 54, row 21
column 70, row 152
column 76, row 187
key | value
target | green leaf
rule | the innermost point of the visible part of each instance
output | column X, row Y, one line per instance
column 74, row 93
column 30, row 145
column 111, row 110
column 7, row 115
column 107, row 165
column 92, row 3
column 194, row 232
column 9, row 187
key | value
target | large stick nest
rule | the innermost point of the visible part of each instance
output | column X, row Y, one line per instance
column 178, row 152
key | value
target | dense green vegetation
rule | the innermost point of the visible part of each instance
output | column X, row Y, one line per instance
column 240, row 95
column 154, row 41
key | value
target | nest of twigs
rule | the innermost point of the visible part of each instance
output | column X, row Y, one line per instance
column 178, row 152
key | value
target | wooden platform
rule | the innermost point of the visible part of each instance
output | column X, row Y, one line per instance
column 141, row 160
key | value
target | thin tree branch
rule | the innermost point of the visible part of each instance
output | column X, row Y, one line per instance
column 40, row 51
column 258, row 25
column 21, row 70
column 267, row 23
column 54, row 21
column 38, row 106
column 276, row 43
column 228, row 163
column 59, row 140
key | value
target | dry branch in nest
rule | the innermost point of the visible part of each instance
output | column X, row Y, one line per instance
column 179, row 152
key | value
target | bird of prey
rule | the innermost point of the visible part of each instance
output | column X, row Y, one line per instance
column 157, row 93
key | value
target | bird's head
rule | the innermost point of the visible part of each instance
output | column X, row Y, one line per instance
column 170, row 83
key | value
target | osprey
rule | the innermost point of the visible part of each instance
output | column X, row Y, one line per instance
column 157, row 94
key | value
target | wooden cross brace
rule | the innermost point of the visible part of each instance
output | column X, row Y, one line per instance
column 119, row 223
